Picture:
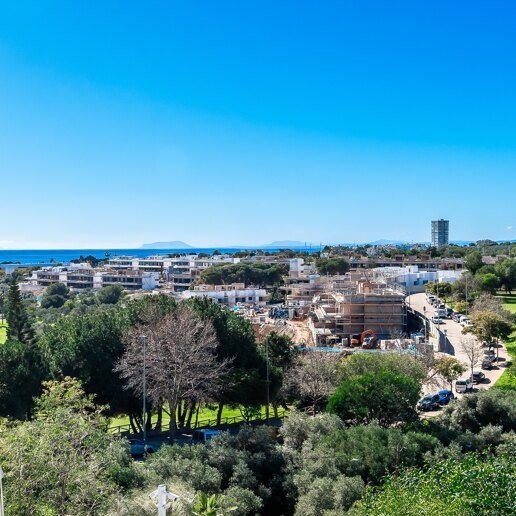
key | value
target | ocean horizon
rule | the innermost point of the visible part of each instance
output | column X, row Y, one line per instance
column 64, row 256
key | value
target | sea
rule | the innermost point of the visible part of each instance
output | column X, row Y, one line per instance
column 64, row 256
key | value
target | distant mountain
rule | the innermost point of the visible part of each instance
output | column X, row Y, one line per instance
column 175, row 244
column 387, row 242
column 283, row 244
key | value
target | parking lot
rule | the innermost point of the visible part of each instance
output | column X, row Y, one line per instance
column 453, row 335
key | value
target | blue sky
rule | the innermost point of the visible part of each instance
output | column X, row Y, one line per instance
column 222, row 123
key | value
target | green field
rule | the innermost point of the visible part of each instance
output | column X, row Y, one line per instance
column 3, row 333
column 204, row 413
column 508, row 379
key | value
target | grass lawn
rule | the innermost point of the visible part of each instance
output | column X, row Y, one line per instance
column 3, row 333
column 204, row 413
column 508, row 381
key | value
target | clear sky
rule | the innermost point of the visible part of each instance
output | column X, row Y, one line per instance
column 222, row 123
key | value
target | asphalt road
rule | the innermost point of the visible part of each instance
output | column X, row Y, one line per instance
column 454, row 335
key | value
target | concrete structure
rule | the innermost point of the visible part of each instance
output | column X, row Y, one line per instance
column 440, row 232
column 337, row 316
column 179, row 271
column 83, row 276
column 229, row 295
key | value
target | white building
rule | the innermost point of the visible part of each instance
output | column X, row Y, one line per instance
column 414, row 280
column 229, row 295
column 179, row 271
column 82, row 275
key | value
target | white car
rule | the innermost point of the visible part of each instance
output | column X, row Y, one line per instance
column 463, row 385
column 437, row 320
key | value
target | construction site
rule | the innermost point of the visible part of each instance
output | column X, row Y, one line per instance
column 352, row 309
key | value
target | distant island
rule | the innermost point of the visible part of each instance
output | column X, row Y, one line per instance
column 174, row 244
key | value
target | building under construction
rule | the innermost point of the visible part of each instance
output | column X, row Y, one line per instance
column 338, row 315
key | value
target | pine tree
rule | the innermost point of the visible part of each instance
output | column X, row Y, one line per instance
column 18, row 326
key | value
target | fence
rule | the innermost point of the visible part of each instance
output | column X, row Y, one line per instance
column 205, row 423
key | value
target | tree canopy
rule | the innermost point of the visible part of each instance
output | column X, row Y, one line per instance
column 332, row 266
column 383, row 396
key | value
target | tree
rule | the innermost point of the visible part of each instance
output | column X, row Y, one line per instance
column 449, row 368
column 110, row 295
column 181, row 359
column 489, row 283
column 332, row 266
column 20, row 378
column 466, row 287
column 62, row 461
column 245, row 384
column 443, row 289
column 373, row 451
column 18, row 326
column 506, row 271
column 313, row 378
column 488, row 303
column 489, row 488
column 87, row 347
column 362, row 363
column 383, row 396
column 473, row 350
column 279, row 349
column 488, row 326
column 260, row 274
column 55, row 296
column 461, row 307
column 473, row 261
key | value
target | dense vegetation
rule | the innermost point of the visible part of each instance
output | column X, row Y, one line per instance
column 353, row 443
column 255, row 274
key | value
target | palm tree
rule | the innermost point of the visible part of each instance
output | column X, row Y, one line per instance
column 210, row 505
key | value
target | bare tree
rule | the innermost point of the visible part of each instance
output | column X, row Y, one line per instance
column 181, row 359
column 473, row 350
column 314, row 377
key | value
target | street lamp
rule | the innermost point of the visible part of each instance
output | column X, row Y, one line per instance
column 1, row 493
column 424, row 321
column 267, row 374
column 144, row 414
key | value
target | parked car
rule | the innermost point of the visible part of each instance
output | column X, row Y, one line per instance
column 463, row 385
column 488, row 359
column 449, row 312
column 437, row 320
column 487, row 363
column 441, row 312
column 445, row 396
column 465, row 321
column 203, row 436
column 429, row 402
column 456, row 317
column 138, row 448
column 478, row 377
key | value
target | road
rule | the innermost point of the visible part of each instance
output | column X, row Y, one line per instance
column 454, row 335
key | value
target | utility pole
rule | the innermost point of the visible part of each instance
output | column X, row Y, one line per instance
column 144, row 414
column 267, row 373
column 163, row 499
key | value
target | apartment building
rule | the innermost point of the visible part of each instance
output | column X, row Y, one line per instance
column 337, row 316
column 180, row 271
column 228, row 295
column 83, row 276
